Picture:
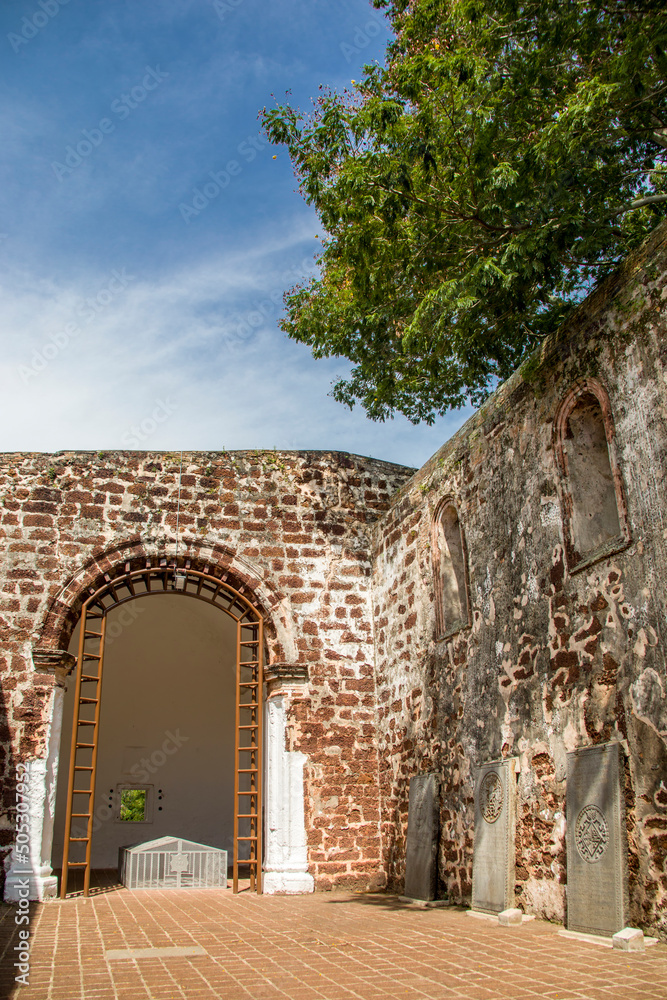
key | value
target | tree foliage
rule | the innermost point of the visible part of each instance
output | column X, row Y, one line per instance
column 504, row 159
column 133, row 805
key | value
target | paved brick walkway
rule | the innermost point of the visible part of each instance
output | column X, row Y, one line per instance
column 320, row 947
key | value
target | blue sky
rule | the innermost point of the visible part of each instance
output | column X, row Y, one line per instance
column 147, row 233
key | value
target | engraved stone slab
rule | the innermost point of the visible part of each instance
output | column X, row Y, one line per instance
column 421, row 860
column 597, row 893
column 495, row 827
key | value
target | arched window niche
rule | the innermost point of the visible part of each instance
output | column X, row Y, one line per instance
column 449, row 571
column 594, row 512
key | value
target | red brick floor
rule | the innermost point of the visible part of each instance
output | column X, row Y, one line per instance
column 319, row 947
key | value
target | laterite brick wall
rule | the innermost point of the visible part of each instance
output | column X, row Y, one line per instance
column 552, row 660
column 290, row 527
column 336, row 549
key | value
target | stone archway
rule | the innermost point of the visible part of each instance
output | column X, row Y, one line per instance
column 140, row 584
column 115, row 575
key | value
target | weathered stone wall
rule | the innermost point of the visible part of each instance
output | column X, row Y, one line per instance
column 336, row 550
column 552, row 659
column 291, row 528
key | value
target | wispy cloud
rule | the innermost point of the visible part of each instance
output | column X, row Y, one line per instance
column 204, row 337
column 121, row 321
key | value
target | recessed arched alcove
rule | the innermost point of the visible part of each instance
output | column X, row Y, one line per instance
column 449, row 570
column 592, row 495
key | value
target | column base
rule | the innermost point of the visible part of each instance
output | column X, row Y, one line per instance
column 40, row 887
column 287, row 883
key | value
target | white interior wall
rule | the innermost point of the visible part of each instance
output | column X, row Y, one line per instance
column 169, row 668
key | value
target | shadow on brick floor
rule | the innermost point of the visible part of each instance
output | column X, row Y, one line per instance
column 102, row 880
column 390, row 901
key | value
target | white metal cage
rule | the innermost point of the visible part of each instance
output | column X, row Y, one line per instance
column 172, row 863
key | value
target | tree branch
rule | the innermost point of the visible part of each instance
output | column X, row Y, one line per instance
column 653, row 199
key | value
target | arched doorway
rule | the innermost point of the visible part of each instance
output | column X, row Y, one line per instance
column 137, row 584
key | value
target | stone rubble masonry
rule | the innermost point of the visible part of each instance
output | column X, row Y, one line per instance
column 553, row 660
column 337, row 551
column 292, row 527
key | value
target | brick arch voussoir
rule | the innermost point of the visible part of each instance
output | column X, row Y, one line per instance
column 63, row 613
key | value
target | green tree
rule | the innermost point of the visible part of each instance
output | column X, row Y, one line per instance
column 504, row 159
column 133, row 805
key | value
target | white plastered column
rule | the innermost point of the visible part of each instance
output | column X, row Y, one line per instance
column 30, row 866
column 286, row 859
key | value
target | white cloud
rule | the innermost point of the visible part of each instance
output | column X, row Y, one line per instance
column 192, row 358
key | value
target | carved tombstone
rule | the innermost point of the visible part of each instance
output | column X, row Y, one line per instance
column 495, row 828
column 421, row 860
column 597, row 883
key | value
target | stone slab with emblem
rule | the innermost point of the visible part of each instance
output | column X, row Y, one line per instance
column 597, row 880
column 180, row 863
column 421, row 860
column 494, row 836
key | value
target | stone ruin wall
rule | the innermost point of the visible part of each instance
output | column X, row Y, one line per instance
column 292, row 527
column 552, row 661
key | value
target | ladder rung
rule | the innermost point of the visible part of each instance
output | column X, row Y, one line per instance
column 248, row 816
column 249, row 684
column 90, row 635
column 89, row 677
column 248, row 770
column 82, row 791
column 85, row 746
column 255, row 792
column 248, row 642
column 79, row 840
column 249, row 704
column 245, row 838
column 78, row 864
column 86, row 722
column 88, row 701
column 92, row 656
column 82, row 767
column 254, row 726
column 81, row 815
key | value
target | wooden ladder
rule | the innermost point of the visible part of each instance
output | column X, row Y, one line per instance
column 85, row 742
column 248, row 751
